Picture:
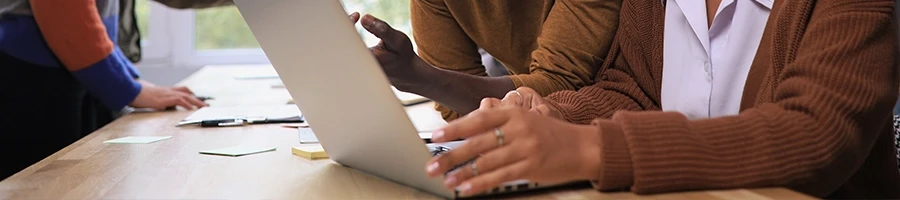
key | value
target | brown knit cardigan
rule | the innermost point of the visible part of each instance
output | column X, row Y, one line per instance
column 815, row 116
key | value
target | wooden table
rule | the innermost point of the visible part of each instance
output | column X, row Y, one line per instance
column 173, row 169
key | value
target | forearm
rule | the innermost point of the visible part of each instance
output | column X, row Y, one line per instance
column 110, row 81
column 195, row 4
column 459, row 91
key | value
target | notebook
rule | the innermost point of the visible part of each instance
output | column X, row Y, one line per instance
column 239, row 150
column 408, row 98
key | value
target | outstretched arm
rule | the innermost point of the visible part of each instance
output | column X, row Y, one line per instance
column 78, row 34
column 194, row 4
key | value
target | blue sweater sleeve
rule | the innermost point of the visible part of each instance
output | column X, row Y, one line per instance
column 124, row 61
column 111, row 80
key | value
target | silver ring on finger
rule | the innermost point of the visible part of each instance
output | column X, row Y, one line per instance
column 474, row 168
column 499, row 134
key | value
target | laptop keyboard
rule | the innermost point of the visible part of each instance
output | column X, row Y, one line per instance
column 438, row 150
column 509, row 187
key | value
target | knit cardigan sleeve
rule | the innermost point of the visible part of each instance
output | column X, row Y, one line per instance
column 829, row 102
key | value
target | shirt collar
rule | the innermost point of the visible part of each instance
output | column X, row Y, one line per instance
column 765, row 3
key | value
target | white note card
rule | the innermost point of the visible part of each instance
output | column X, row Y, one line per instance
column 239, row 150
column 137, row 140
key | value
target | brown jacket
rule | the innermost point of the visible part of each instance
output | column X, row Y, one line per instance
column 540, row 42
column 815, row 117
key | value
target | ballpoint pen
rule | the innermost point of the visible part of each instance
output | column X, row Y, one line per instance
column 240, row 121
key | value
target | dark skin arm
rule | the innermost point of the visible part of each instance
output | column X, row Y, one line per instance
column 409, row 73
column 195, row 4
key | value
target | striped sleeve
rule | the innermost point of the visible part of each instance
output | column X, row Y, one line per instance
column 75, row 32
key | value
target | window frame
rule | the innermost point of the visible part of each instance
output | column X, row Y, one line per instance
column 166, row 47
column 171, row 42
column 154, row 47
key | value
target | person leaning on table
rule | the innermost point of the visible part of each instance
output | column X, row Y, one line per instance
column 62, row 77
column 540, row 42
column 808, row 107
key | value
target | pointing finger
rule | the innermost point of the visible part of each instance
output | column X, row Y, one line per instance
column 354, row 17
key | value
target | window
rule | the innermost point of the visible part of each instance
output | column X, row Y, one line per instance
column 222, row 28
column 219, row 36
column 152, row 52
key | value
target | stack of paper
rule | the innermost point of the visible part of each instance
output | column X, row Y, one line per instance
column 408, row 98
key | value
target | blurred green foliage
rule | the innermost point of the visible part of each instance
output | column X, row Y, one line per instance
column 224, row 28
column 142, row 10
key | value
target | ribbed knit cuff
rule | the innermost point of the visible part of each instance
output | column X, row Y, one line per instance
column 564, row 111
column 615, row 159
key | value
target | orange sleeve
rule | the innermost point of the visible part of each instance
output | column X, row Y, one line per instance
column 74, row 31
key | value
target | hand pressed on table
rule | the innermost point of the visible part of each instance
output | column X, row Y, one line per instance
column 159, row 98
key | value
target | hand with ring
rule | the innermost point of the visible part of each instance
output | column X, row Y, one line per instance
column 510, row 143
column 523, row 97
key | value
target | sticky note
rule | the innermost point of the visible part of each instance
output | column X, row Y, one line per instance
column 137, row 140
column 239, row 150
column 311, row 152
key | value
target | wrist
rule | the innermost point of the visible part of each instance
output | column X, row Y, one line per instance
column 422, row 78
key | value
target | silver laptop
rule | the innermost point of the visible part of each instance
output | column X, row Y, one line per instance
column 343, row 93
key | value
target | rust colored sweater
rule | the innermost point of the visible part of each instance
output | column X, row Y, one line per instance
column 540, row 42
column 815, row 117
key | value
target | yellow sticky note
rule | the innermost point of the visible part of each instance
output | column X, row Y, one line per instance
column 311, row 152
column 238, row 150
